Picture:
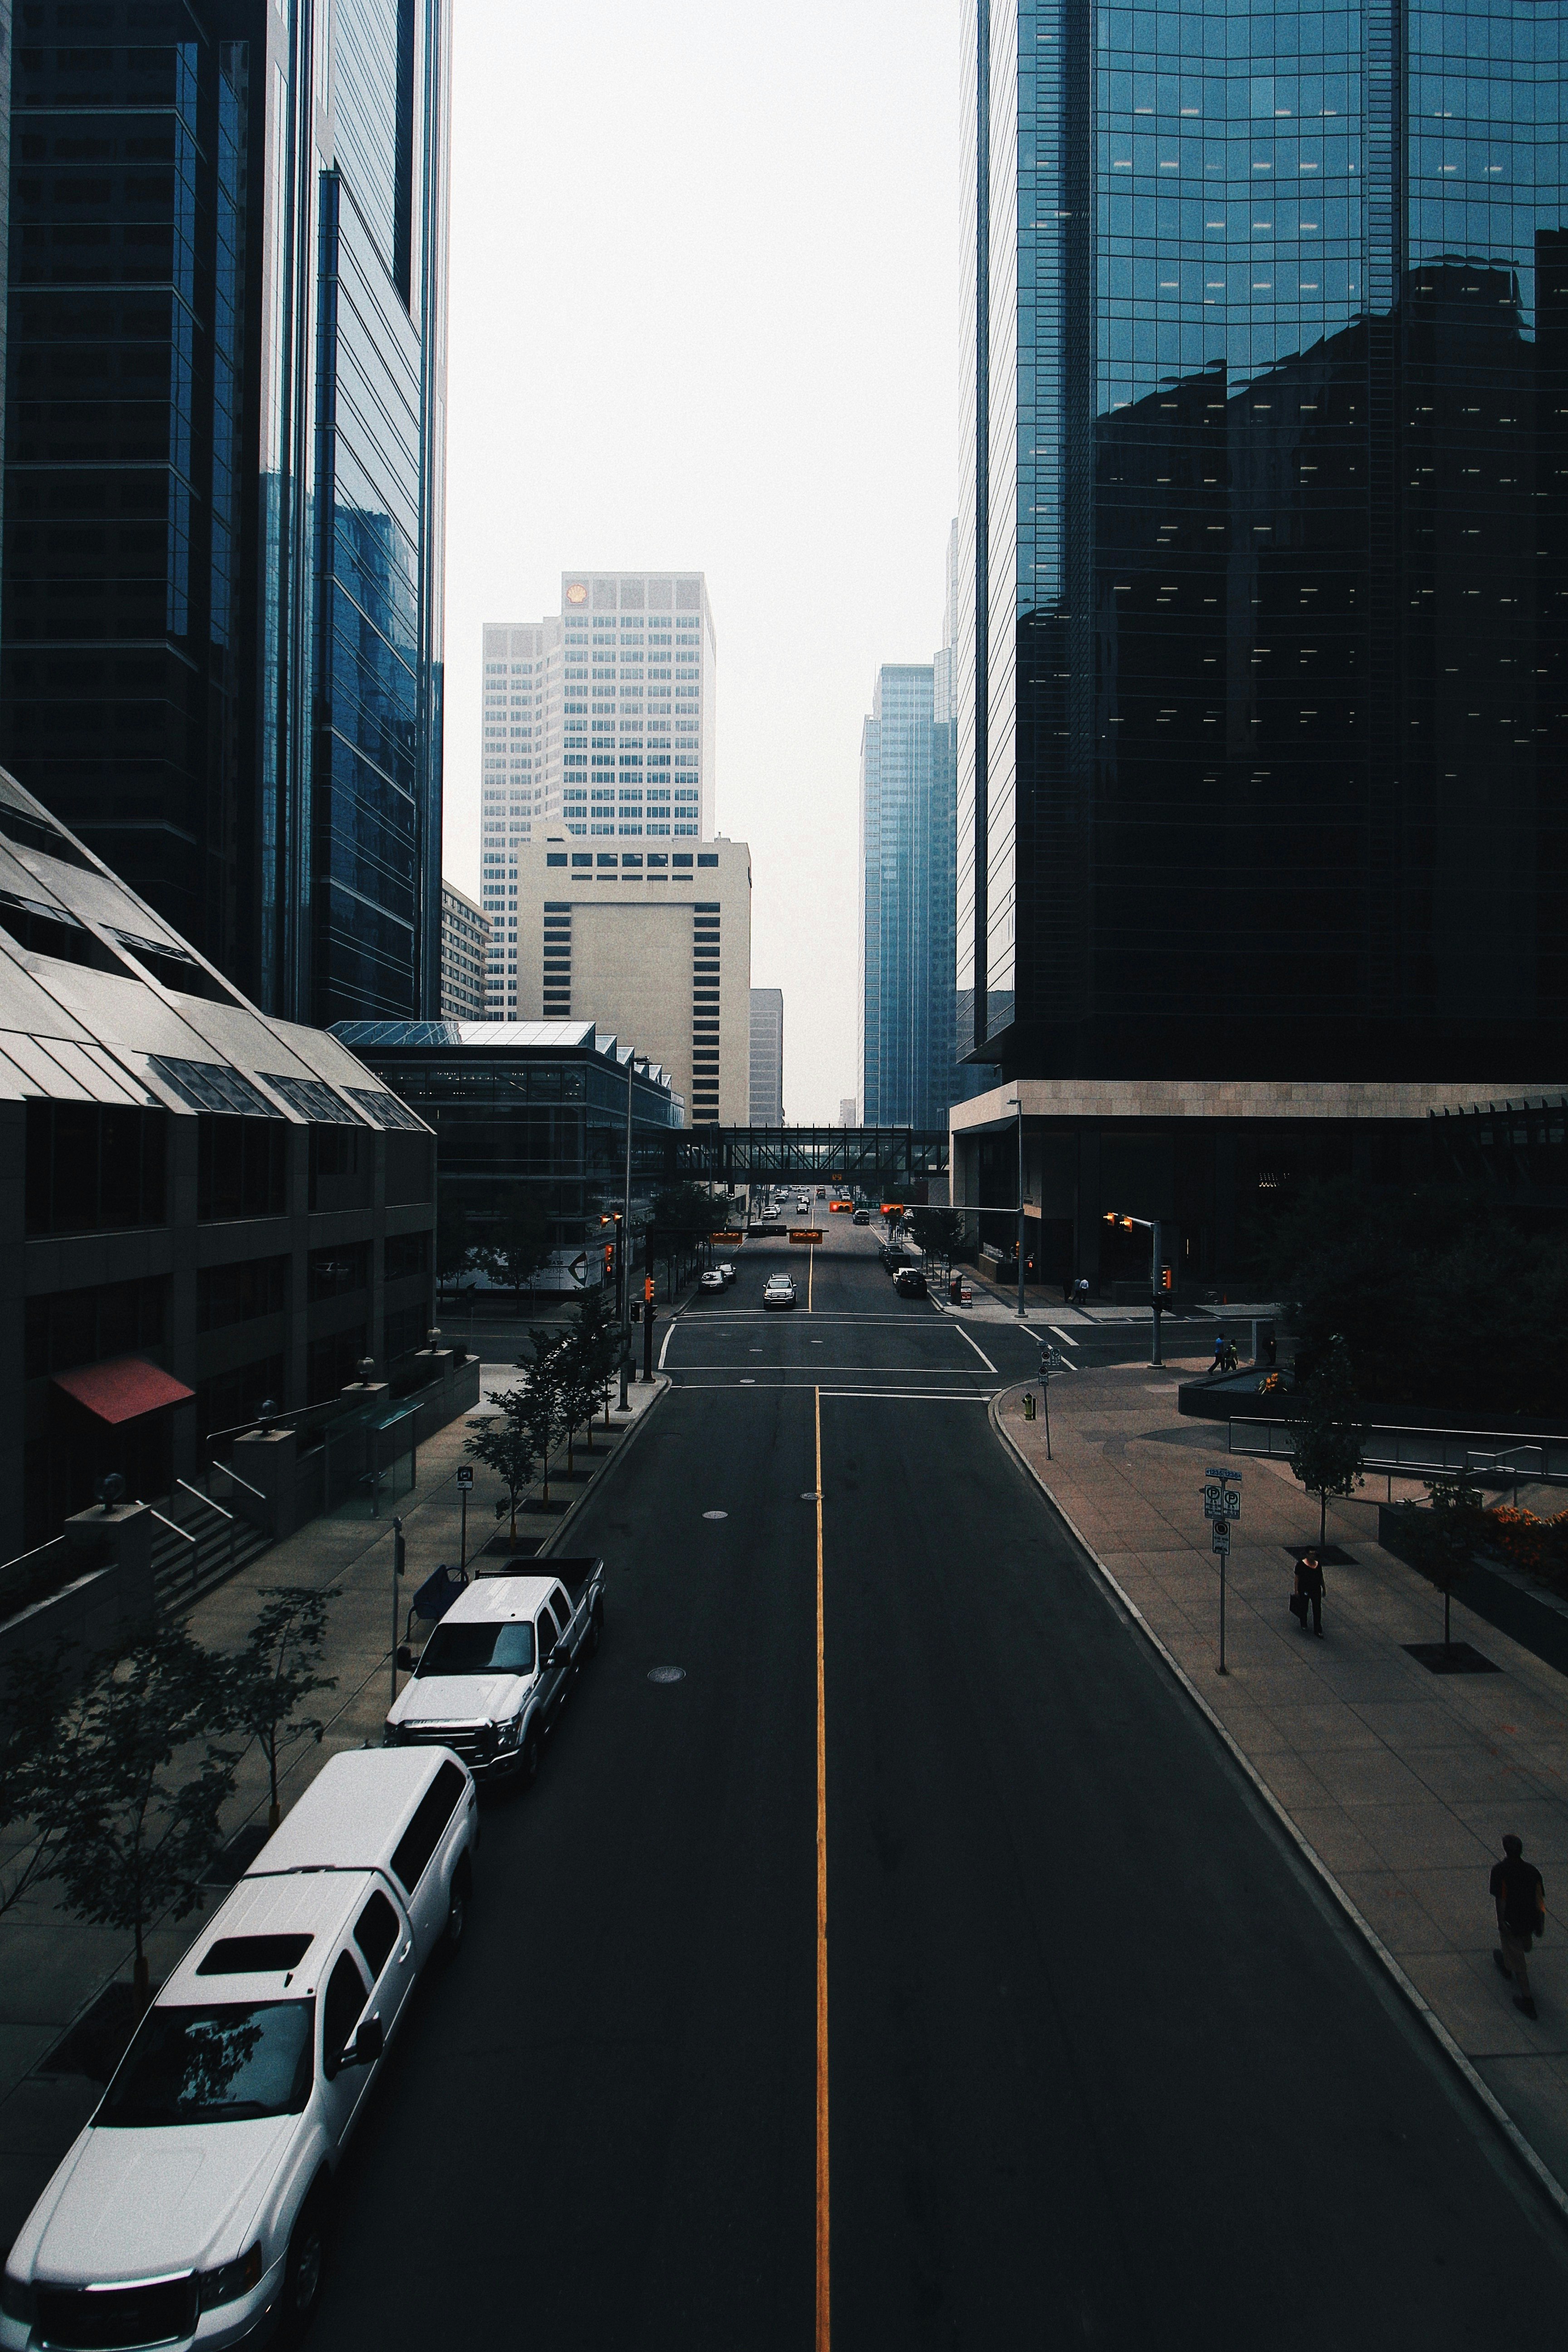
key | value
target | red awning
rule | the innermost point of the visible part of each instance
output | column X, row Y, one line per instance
column 124, row 1389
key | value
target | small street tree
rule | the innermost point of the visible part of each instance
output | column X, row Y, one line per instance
column 134, row 1784
column 279, row 1666
column 544, row 1412
column 938, row 1231
column 32, row 1701
column 1326, row 1438
column 517, row 1241
column 592, row 1340
column 1439, row 1542
column 504, row 1443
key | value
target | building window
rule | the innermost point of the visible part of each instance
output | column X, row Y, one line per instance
column 89, row 1326
column 405, row 1254
column 337, row 1272
column 94, row 1167
column 242, row 1167
column 240, row 1294
column 331, row 1363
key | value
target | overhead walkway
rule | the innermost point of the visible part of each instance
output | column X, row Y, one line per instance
column 886, row 1160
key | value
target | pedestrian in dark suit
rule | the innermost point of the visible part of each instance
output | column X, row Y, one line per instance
column 1520, row 1893
column 1310, row 1585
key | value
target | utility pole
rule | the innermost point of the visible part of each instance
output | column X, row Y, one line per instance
column 1018, row 1105
column 397, row 1568
column 625, row 1287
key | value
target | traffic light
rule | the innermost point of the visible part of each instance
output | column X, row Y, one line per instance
column 609, row 1257
column 647, row 1289
column 1165, row 1283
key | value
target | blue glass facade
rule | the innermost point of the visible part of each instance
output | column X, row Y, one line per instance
column 1261, row 665
column 220, row 648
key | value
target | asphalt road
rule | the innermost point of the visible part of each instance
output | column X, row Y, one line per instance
column 1104, row 2068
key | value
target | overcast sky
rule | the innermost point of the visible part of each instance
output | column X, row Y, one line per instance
column 703, row 315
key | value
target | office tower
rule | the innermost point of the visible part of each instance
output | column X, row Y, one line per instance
column 1260, row 663
column 599, row 722
column 465, row 956
column 847, row 1113
column 220, row 640
column 1259, row 670
column 654, row 943
column 767, row 1058
column 893, row 1006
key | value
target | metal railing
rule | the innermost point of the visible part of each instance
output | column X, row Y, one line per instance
column 1396, row 1451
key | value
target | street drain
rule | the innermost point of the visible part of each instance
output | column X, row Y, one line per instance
column 667, row 1673
column 810, row 1495
column 715, row 1515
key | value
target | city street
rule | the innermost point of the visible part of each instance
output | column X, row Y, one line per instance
column 1103, row 2064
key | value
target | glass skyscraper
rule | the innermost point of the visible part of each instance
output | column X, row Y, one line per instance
column 1260, row 662
column 220, row 643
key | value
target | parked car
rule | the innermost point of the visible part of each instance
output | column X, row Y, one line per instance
column 195, row 2204
column 726, row 1272
column 495, row 1673
column 779, row 1291
column 711, row 1278
column 910, row 1282
column 861, row 1217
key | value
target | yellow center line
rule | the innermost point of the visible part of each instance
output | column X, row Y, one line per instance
column 810, row 1271
column 824, row 2297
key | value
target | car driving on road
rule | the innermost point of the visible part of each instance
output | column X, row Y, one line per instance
column 725, row 1271
column 861, row 1217
column 779, row 1291
column 910, row 1282
column 711, row 1279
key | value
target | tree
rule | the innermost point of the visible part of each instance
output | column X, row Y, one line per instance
column 544, row 1410
column 277, row 1667
column 504, row 1445
column 592, row 1343
column 134, row 1783
column 454, row 1238
column 517, row 1243
column 1439, row 1542
column 30, row 1711
column 1326, row 1438
column 938, row 1231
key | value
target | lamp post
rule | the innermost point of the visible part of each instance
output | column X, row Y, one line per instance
column 625, row 1241
column 1151, row 1225
column 1019, row 1107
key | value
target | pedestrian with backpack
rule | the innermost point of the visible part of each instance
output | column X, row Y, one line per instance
column 1520, row 1893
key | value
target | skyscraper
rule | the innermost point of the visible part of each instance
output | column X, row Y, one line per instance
column 598, row 722
column 906, row 1005
column 220, row 641
column 767, row 1058
column 1261, row 666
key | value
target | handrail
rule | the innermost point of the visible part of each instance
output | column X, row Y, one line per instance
column 204, row 1499
column 175, row 1529
column 238, row 1482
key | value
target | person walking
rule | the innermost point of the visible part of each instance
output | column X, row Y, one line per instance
column 1310, row 1585
column 1218, row 1363
column 1520, row 1893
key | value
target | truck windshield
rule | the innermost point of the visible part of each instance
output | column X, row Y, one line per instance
column 493, row 1649
column 214, row 2066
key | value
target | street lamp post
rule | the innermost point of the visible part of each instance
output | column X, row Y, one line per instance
column 1019, row 1107
column 625, row 1246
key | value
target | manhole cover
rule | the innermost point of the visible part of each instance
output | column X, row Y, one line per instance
column 667, row 1673
column 715, row 1515
column 811, row 1496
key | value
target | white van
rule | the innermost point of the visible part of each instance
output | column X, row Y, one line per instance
column 193, row 2208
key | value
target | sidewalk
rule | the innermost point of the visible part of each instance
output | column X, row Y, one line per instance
column 1401, row 1781
column 52, row 1967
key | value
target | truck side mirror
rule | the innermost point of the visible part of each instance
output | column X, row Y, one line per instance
column 367, row 2044
column 404, row 1658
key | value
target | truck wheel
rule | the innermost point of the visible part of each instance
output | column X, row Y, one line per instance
column 528, row 1762
column 458, row 1910
column 595, row 1632
column 307, row 2259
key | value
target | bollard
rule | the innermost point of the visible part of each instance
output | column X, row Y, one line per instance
column 1029, row 1405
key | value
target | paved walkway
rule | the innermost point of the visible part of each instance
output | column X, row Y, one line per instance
column 1401, row 1781
column 52, row 1967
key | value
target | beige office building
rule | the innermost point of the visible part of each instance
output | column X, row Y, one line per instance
column 652, row 942
column 465, row 950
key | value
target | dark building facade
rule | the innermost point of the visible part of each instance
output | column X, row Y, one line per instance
column 220, row 627
column 1261, row 663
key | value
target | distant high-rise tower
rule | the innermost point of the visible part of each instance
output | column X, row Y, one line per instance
column 599, row 721
column 221, row 635
column 767, row 1058
column 465, row 956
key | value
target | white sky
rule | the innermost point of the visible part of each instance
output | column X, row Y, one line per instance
column 703, row 315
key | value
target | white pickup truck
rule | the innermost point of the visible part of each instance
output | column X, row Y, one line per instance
column 492, row 1680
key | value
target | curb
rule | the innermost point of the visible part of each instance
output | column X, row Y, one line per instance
column 1544, row 2176
column 629, row 1439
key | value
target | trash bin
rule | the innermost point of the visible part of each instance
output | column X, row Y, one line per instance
column 955, row 1290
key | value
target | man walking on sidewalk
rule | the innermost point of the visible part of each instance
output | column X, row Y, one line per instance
column 1520, row 1894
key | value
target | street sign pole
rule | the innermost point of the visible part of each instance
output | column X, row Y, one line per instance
column 465, row 1486
column 1221, row 1505
column 398, row 1565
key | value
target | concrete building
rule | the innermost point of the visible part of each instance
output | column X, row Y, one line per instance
column 599, row 723
column 465, row 955
column 767, row 1058
column 209, row 1207
column 225, row 670
column 653, row 943
column 849, row 1115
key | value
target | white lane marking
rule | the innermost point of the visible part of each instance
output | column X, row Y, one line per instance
column 715, row 1515
column 978, row 1349
column 1066, row 1365
column 668, row 1335
column 1058, row 1333
column 815, row 1371
column 809, row 1388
